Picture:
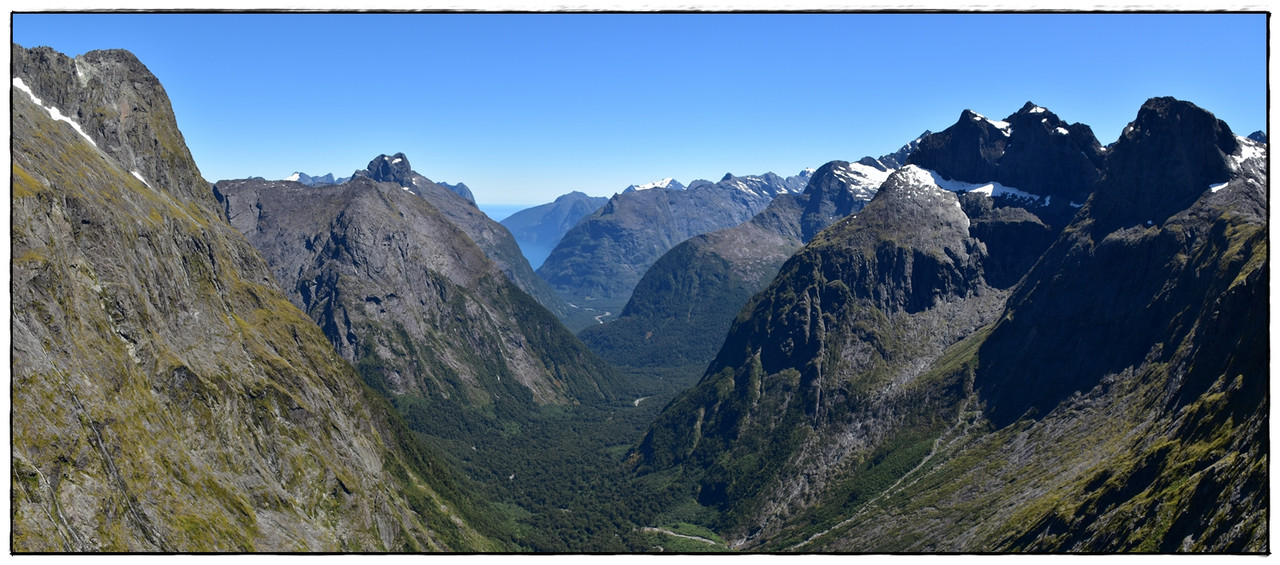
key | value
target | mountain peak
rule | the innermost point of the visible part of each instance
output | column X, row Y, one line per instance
column 389, row 169
column 1168, row 156
column 666, row 183
column 1031, row 108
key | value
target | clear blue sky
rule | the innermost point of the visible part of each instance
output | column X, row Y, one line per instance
column 524, row 108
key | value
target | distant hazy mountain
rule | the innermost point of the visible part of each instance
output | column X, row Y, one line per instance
column 323, row 180
column 539, row 229
column 601, row 258
column 461, row 190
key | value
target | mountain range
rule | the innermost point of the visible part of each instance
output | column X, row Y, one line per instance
column 600, row 259
column 1004, row 337
column 323, row 180
column 1105, row 394
column 683, row 305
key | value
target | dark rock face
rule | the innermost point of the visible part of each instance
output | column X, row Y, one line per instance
column 1164, row 161
column 394, row 169
column 1259, row 136
column 1032, row 150
column 166, row 395
column 970, row 150
column 1163, row 165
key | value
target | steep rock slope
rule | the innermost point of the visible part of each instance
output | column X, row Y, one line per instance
column 1039, row 169
column 166, row 396
column 1118, row 402
column 838, row 339
column 683, row 305
column 539, row 229
column 496, row 242
column 1125, row 388
column 402, row 292
column 602, row 258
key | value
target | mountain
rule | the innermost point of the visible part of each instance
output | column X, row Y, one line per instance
column 889, row 393
column 405, row 295
column 664, row 184
column 496, row 242
column 325, row 180
column 461, row 190
column 539, row 229
column 166, row 396
column 599, row 261
column 683, row 305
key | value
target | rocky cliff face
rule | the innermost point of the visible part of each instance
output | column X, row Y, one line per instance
column 402, row 291
column 166, row 396
column 881, row 395
column 818, row 367
column 496, row 242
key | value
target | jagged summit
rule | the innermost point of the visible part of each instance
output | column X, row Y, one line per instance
column 1170, row 155
column 1032, row 150
column 389, row 169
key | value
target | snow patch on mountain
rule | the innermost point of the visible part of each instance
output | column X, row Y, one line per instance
column 863, row 180
column 664, row 183
column 1003, row 126
column 54, row 113
column 138, row 176
column 991, row 189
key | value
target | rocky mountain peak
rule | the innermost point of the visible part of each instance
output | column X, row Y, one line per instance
column 119, row 105
column 1163, row 162
column 1032, row 150
column 389, row 169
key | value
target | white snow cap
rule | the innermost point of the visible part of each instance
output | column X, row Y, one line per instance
column 294, row 177
column 991, row 189
column 664, row 183
column 53, row 112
